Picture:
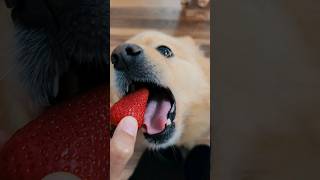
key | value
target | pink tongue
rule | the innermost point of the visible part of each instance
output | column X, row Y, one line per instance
column 155, row 117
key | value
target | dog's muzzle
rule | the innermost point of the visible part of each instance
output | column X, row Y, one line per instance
column 134, row 70
column 126, row 57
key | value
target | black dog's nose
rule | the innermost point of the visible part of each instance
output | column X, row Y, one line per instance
column 133, row 50
column 125, row 55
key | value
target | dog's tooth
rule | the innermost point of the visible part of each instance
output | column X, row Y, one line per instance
column 127, row 89
column 168, row 122
column 173, row 107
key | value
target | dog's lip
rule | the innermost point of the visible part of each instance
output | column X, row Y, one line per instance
column 161, row 137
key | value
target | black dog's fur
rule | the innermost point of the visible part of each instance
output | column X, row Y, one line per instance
column 63, row 46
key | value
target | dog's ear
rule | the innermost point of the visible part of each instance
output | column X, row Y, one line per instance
column 188, row 40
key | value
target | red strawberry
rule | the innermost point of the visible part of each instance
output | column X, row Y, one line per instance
column 71, row 137
column 133, row 104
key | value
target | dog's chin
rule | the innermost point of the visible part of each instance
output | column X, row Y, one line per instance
column 163, row 139
column 159, row 127
column 172, row 140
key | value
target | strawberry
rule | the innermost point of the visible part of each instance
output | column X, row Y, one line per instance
column 134, row 104
column 71, row 137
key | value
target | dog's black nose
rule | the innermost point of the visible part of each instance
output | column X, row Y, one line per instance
column 133, row 50
column 125, row 55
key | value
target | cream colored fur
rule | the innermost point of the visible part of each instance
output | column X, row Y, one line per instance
column 187, row 74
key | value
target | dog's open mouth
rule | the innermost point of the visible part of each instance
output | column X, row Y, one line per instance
column 160, row 112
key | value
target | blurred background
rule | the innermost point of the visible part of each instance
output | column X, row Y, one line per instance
column 267, row 69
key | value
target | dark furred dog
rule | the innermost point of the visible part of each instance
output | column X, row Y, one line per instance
column 62, row 46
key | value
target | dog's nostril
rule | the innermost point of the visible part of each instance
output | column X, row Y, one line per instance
column 117, row 62
column 133, row 50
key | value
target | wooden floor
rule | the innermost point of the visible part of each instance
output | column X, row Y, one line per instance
column 129, row 17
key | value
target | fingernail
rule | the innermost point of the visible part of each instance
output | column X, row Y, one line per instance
column 129, row 125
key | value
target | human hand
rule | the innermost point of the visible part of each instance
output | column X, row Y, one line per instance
column 122, row 146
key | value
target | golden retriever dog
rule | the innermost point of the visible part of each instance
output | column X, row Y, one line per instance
column 177, row 75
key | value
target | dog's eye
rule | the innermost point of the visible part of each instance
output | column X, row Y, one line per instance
column 164, row 50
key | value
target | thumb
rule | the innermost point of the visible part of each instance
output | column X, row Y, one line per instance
column 122, row 145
